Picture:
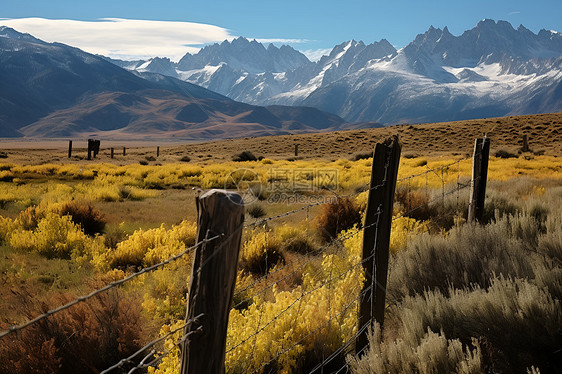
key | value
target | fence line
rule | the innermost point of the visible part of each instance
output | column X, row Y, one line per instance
column 103, row 289
column 303, row 294
column 311, row 256
column 308, row 206
column 148, row 345
column 317, row 251
column 433, row 170
column 315, row 330
column 143, row 365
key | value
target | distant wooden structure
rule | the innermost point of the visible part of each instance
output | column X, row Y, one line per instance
column 93, row 148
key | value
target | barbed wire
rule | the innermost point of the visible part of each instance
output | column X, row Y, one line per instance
column 460, row 186
column 104, row 289
column 315, row 330
column 143, row 365
column 149, row 345
column 433, row 170
column 309, row 259
column 346, row 344
column 303, row 294
column 308, row 206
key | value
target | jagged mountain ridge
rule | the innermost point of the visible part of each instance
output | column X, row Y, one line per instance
column 54, row 90
column 490, row 70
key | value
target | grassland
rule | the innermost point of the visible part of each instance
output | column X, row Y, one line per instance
column 454, row 289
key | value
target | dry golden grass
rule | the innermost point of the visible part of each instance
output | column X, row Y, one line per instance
column 543, row 130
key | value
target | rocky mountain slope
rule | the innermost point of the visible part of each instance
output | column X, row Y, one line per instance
column 54, row 90
column 490, row 70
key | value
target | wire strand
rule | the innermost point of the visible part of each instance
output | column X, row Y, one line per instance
column 103, row 289
column 314, row 331
column 149, row 345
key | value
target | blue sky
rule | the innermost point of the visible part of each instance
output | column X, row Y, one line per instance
column 307, row 25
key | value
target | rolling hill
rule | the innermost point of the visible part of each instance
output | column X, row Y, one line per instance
column 54, row 90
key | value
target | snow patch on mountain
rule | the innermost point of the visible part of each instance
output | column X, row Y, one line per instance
column 491, row 69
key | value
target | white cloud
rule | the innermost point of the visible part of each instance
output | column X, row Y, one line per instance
column 316, row 54
column 283, row 41
column 123, row 38
column 514, row 12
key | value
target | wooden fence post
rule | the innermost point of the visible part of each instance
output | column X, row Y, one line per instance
column 124, row 151
column 90, row 148
column 158, row 151
column 69, row 148
column 376, row 235
column 212, row 281
column 525, row 147
column 112, row 150
column 479, row 179
column 96, row 148
column 296, row 150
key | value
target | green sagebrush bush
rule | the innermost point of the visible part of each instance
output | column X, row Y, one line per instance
column 433, row 354
column 496, row 288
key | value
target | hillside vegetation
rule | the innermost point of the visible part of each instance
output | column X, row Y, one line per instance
column 461, row 297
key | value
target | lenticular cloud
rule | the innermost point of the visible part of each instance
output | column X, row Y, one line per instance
column 123, row 38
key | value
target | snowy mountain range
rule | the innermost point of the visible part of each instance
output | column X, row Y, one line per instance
column 490, row 70
column 55, row 90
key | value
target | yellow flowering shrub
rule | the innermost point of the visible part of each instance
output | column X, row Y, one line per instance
column 7, row 227
column 55, row 236
column 260, row 252
column 295, row 314
column 149, row 247
column 170, row 364
column 402, row 229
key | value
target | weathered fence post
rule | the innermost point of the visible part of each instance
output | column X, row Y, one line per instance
column 70, row 149
column 90, row 148
column 158, row 151
column 212, row 281
column 479, row 179
column 296, row 150
column 525, row 147
column 376, row 236
column 96, row 148
column 112, row 151
column 124, row 151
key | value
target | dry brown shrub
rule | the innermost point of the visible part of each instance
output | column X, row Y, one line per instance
column 89, row 218
column 339, row 215
column 418, row 199
column 86, row 338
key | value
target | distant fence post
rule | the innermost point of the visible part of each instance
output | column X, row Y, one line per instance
column 158, row 151
column 479, row 179
column 212, row 281
column 525, row 147
column 90, row 148
column 112, row 150
column 69, row 148
column 376, row 235
column 296, row 150
column 96, row 148
column 124, row 151
column 93, row 147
